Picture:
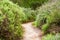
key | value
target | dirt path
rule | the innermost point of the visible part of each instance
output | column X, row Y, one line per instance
column 31, row 33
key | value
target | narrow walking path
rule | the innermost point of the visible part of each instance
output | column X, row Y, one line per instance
column 31, row 33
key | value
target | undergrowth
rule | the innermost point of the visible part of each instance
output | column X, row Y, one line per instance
column 51, row 37
column 47, row 15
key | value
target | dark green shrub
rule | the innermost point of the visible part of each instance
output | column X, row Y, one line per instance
column 10, row 26
column 30, row 3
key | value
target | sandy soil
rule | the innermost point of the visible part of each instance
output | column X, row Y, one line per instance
column 31, row 33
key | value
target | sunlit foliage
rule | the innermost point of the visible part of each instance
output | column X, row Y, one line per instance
column 10, row 26
column 51, row 37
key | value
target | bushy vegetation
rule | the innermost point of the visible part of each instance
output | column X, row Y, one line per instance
column 49, row 14
column 30, row 14
column 10, row 26
column 51, row 37
column 46, row 17
column 48, row 20
column 30, row 3
column 11, row 17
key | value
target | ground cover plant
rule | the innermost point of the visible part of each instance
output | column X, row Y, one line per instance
column 51, row 37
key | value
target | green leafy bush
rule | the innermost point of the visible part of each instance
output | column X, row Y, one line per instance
column 30, row 14
column 45, row 27
column 48, row 14
column 10, row 17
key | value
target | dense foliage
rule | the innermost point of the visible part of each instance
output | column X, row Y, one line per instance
column 46, row 17
column 10, row 26
column 11, row 17
column 49, row 14
column 30, row 14
column 30, row 3
column 51, row 37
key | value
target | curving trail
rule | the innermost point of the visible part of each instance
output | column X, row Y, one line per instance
column 31, row 33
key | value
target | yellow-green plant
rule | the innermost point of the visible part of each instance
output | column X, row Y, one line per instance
column 10, row 21
column 51, row 37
